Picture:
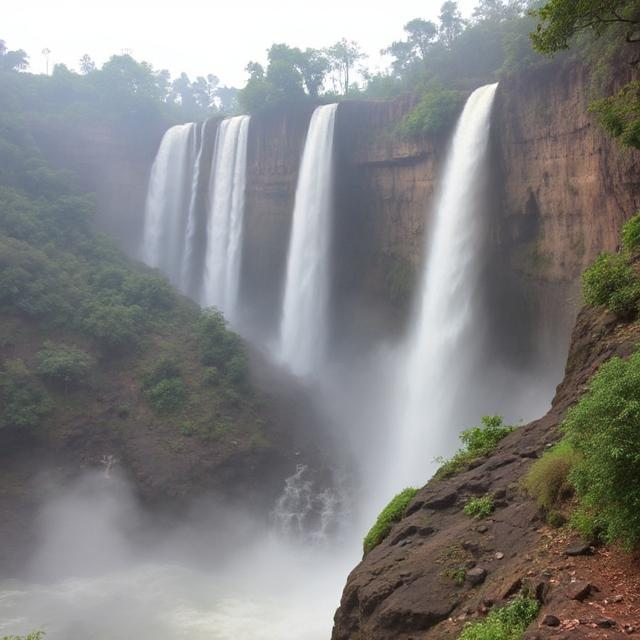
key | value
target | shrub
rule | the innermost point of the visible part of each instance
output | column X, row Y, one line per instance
column 611, row 282
column 604, row 428
column 115, row 326
column 163, row 386
column 506, row 623
column 434, row 114
column 548, row 478
column 478, row 442
column 238, row 369
column 619, row 114
column 217, row 344
column 631, row 234
column 167, row 396
column 148, row 291
column 34, row 635
column 22, row 403
column 63, row 363
column 391, row 514
column 211, row 377
column 479, row 507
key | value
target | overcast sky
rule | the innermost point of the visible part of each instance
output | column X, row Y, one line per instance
column 202, row 37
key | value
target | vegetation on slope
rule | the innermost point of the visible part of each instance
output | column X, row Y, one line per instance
column 477, row 442
column 604, row 428
column 391, row 514
column 600, row 29
column 612, row 281
column 507, row 623
column 90, row 340
column 599, row 456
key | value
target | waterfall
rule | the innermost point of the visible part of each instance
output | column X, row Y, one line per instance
column 442, row 346
column 304, row 322
column 225, row 221
column 168, row 200
column 195, row 209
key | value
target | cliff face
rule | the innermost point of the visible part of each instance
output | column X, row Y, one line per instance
column 113, row 163
column 567, row 185
column 276, row 141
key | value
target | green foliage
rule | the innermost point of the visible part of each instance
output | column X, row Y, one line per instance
column 507, row 623
column 619, row 114
column 613, row 283
column 117, row 327
column 561, row 20
column 433, row 115
column 222, row 349
column 457, row 574
column 289, row 72
column 547, row 480
column 167, row 396
column 164, row 388
column 631, row 234
column 479, row 507
column 478, row 442
column 34, row 635
column 23, row 403
column 391, row 514
column 63, row 363
column 604, row 428
column 211, row 377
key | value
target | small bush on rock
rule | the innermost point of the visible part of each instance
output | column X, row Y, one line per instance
column 548, row 478
column 631, row 234
column 506, row 623
column 479, row 507
column 477, row 441
column 613, row 283
column 391, row 514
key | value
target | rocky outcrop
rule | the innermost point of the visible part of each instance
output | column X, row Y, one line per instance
column 439, row 568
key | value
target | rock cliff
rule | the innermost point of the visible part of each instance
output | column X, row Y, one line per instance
column 439, row 568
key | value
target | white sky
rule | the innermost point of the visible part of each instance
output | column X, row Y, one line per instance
column 199, row 37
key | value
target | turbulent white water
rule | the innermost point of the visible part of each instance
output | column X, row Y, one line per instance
column 225, row 219
column 168, row 202
column 442, row 344
column 304, row 323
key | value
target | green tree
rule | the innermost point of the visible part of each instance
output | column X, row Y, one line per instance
column 451, row 23
column 17, row 60
column 342, row 57
column 498, row 10
column 314, row 66
column 561, row 20
column 421, row 35
column 64, row 364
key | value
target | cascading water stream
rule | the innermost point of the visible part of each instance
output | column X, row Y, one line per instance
column 168, row 201
column 226, row 215
column 304, row 322
column 199, row 245
column 442, row 346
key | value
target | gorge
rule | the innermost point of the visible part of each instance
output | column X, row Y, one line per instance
column 314, row 306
